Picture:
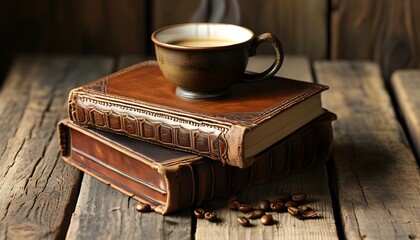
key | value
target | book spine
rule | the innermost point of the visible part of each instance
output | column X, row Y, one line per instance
column 186, row 134
column 109, row 163
column 303, row 149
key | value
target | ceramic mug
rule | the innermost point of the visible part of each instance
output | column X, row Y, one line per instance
column 205, row 59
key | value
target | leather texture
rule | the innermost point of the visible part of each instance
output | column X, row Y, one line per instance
column 170, row 180
column 139, row 102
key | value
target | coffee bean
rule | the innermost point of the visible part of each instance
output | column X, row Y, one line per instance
column 257, row 213
column 309, row 214
column 243, row 221
column 290, row 203
column 245, row 207
column 210, row 216
column 304, row 208
column 250, row 215
column 264, row 205
column 233, row 204
column 293, row 210
column 278, row 206
column 143, row 207
column 267, row 219
column 298, row 197
column 199, row 212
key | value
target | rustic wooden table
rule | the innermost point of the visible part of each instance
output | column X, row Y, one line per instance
column 369, row 190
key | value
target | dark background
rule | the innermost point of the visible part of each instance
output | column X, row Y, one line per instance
column 385, row 31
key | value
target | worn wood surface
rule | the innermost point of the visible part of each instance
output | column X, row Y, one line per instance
column 104, row 213
column 314, row 182
column 300, row 24
column 371, row 190
column 406, row 87
column 387, row 32
column 377, row 178
column 37, row 190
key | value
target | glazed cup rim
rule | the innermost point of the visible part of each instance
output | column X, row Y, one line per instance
column 165, row 35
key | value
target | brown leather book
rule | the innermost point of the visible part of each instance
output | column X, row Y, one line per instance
column 169, row 180
column 139, row 102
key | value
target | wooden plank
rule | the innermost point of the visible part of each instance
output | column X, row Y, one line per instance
column 377, row 177
column 387, row 32
column 406, row 87
column 104, row 213
column 37, row 190
column 172, row 12
column 313, row 181
column 300, row 24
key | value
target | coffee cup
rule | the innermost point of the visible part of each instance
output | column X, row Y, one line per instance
column 204, row 60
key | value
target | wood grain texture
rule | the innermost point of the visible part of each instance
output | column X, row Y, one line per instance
column 313, row 181
column 406, row 87
column 384, row 31
column 104, row 213
column 300, row 24
column 377, row 176
column 37, row 190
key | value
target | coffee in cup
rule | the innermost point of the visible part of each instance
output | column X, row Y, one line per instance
column 204, row 60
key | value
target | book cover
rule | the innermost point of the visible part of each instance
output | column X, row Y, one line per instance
column 139, row 102
column 169, row 180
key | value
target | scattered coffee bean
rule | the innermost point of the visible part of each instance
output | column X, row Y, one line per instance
column 304, row 208
column 264, row 205
column 309, row 214
column 243, row 221
column 290, row 203
column 210, row 216
column 199, row 212
column 293, row 210
column 233, row 204
column 278, row 206
column 267, row 219
column 298, row 197
column 257, row 213
column 245, row 207
column 143, row 207
column 303, row 212
column 285, row 202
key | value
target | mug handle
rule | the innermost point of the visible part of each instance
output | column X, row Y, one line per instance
column 278, row 48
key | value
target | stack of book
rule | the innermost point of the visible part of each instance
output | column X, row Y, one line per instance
column 131, row 131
